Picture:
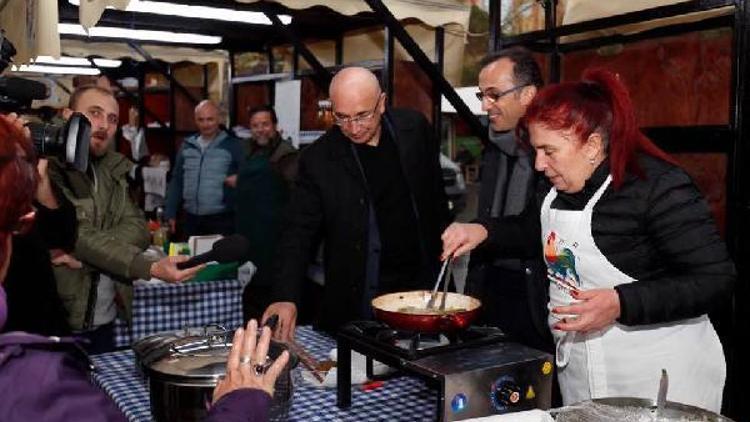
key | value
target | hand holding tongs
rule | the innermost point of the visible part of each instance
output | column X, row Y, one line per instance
column 433, row 295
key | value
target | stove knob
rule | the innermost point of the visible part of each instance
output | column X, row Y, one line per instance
column 507, row 394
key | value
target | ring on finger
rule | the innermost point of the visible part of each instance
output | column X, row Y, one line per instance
column 259, row 369
column 245, row 360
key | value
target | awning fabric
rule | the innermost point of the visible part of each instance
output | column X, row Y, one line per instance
column 31, row 25
column 585, row 10
column 432, row 12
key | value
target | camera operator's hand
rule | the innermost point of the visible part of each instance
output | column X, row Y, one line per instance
column 166, row 269
column 16, row 121
column 44, row 193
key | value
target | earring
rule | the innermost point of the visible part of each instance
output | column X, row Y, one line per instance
column 592, row 161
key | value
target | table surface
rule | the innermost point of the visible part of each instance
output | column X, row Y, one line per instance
column 159, row 307
column 399, row 399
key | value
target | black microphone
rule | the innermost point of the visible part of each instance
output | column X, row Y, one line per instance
column 227, row 249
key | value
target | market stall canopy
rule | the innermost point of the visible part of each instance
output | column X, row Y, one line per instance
column 119, row 50
column 432, row 12
column 318, row 23
column 36, row 35
column 585, row 10
column 526, row 16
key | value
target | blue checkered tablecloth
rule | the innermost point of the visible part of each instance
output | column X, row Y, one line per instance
column 167, row 307
column 399, row 399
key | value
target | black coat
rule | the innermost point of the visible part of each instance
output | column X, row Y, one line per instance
column 34, row 305
column 506, row 286
column 656, row 228
column 330, row 202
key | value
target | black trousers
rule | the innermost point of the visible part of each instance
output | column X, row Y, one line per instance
column 505, row 303
column 197, row 225
column 100, row 340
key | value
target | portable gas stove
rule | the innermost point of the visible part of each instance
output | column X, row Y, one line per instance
column 476, row 372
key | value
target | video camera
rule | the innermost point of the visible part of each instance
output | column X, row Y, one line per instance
column 68, row 142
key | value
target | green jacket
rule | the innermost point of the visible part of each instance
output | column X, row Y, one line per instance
column 112, row 235
column 281, row 154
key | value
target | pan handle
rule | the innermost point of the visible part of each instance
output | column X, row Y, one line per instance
column 450, row 322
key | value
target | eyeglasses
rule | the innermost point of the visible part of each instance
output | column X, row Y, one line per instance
column 25, row 223
column 493, row 97
column 360, row 118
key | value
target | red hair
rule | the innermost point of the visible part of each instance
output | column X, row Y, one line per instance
column 18, row 179
column 599, row 103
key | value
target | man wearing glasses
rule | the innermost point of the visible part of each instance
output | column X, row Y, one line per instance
column 372, row 188
column 508, row 81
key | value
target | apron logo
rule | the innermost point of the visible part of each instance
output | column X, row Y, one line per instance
column 561, row 263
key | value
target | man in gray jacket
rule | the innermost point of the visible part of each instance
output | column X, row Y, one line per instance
column 204, row 176
column 508, row 81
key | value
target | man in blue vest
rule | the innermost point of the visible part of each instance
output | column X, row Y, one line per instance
column 204, row 176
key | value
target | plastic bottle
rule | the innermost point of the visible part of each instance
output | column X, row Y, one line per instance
column 161, row 234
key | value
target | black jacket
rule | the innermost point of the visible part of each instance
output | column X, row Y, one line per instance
column 34, row 305
column 329, row 202
column 656, row 228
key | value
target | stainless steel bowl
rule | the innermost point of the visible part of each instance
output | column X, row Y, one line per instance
column 182, row 369
column 630, row 409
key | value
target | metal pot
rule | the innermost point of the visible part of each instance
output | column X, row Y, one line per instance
column 182, row 369
column 618, row 409
column 390, row 307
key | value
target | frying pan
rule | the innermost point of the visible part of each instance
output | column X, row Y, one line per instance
column 460, row 311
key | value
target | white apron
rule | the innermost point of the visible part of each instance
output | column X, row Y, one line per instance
column 619, row 360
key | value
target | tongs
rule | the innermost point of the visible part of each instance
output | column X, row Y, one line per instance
column 433, row 295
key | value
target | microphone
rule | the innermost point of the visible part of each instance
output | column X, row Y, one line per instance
column 227, row 249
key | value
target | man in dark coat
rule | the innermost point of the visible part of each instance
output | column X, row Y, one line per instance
column 372, row 188
column 508, row 81
column 263, row 183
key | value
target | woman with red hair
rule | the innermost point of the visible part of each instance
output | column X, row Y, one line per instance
column 630, row 261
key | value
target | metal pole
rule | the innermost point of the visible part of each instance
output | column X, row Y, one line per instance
column 738, row 209
column 339, row 51
column 156, row 66
column 437, row 114
column 232, row 91
column 496, row 25
column 132, row 97
column 388, row 66
column 550, row 22
column 323, row 75
column 477, row 128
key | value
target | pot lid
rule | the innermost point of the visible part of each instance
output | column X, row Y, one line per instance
column 191, row 356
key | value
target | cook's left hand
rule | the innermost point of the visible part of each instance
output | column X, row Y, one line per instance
column 596, row 309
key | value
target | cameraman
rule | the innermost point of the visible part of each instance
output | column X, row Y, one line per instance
column 112, row 233
column 34, row 305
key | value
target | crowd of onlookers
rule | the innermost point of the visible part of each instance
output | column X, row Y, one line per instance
column 73, row 242
column 590, row 242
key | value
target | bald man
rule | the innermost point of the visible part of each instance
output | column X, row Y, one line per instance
column 372, row 188
column 204, row 176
